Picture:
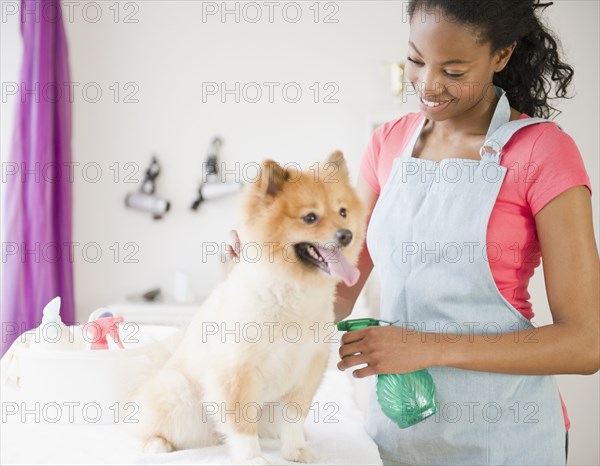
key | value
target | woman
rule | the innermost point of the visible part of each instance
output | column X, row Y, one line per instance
column 456, row 233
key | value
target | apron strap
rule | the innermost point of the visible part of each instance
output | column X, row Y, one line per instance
column 501, row 113
column 408, row 150
column 502, row 135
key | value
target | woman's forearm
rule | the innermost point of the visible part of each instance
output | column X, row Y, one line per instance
column 558, row 348
column 343, row 306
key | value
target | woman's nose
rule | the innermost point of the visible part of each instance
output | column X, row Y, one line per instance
column 430, row 84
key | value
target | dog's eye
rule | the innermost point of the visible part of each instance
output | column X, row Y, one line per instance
column 343, row 212
column 310, row 218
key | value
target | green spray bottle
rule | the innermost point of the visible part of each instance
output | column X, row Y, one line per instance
column 406, row 399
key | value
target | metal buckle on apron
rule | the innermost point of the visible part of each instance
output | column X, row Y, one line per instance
column 488, row 147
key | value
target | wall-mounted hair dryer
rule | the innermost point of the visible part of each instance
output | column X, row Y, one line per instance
column 145, row 199
column 213, row 186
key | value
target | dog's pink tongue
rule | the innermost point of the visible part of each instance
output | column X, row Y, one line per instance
column 339, row 267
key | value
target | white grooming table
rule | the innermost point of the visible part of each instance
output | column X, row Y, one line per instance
column 335, row 436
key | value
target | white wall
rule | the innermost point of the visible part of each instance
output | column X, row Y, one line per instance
column 168, row 54
column 170, row 51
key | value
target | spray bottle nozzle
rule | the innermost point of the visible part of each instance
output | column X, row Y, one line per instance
column 357, row 324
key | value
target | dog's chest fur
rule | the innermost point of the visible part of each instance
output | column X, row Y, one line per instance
column 263, row 323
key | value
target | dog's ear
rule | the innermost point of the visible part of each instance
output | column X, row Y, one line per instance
column 272, row 178
column 339, row 163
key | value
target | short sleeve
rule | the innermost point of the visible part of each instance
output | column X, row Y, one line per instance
column 370, row 161
column 555, row 166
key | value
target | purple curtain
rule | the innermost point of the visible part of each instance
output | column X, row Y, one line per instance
column 37, row 260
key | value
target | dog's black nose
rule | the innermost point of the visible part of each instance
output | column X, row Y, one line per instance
column 343, row 236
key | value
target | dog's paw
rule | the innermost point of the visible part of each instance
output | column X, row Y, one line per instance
column 158, row 445
column 299, row 455
column 253, row 461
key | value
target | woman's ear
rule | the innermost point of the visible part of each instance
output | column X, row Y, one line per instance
column 503, row 57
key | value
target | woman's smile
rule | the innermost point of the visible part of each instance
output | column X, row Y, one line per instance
column 433, row 106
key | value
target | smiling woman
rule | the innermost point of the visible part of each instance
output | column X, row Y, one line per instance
column 451, row 56
column 465, row 198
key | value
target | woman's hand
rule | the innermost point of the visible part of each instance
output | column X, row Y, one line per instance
column 386, row 350
column 232, row 251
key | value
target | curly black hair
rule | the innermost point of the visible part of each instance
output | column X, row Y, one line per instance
column 535, row 63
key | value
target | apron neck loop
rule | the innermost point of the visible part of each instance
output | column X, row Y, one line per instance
column 491, row 148
column 501, row 113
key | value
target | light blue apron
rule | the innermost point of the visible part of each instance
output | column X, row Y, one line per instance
column 427, row 238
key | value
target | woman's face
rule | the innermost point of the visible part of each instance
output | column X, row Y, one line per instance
column 446, row 65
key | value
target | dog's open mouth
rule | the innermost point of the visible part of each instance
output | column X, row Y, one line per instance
column 329, row 260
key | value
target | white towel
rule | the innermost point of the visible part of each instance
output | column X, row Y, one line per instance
column 335, row 434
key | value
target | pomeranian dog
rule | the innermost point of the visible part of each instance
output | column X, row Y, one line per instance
column 251, row 352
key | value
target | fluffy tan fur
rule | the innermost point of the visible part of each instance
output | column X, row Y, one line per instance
column 177, row 405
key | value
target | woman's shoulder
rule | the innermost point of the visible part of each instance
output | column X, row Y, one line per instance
column 549, row 160
column 398, row 128
column 538, row 140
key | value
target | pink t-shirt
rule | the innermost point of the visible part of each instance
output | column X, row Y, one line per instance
column 542, row 162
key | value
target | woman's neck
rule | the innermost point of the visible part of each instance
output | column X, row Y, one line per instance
column 473, row 122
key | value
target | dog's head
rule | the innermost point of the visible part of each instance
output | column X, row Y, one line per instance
column 310, row 222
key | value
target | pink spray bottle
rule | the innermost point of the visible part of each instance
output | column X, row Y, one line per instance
column 98, row 330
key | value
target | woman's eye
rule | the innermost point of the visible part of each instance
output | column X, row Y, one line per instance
column 343, row 212
column 450, row 75
column 310, row 218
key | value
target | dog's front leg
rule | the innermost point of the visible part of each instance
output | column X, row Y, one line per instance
column 242, row 440
column 293, row 442
column 238, row 400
